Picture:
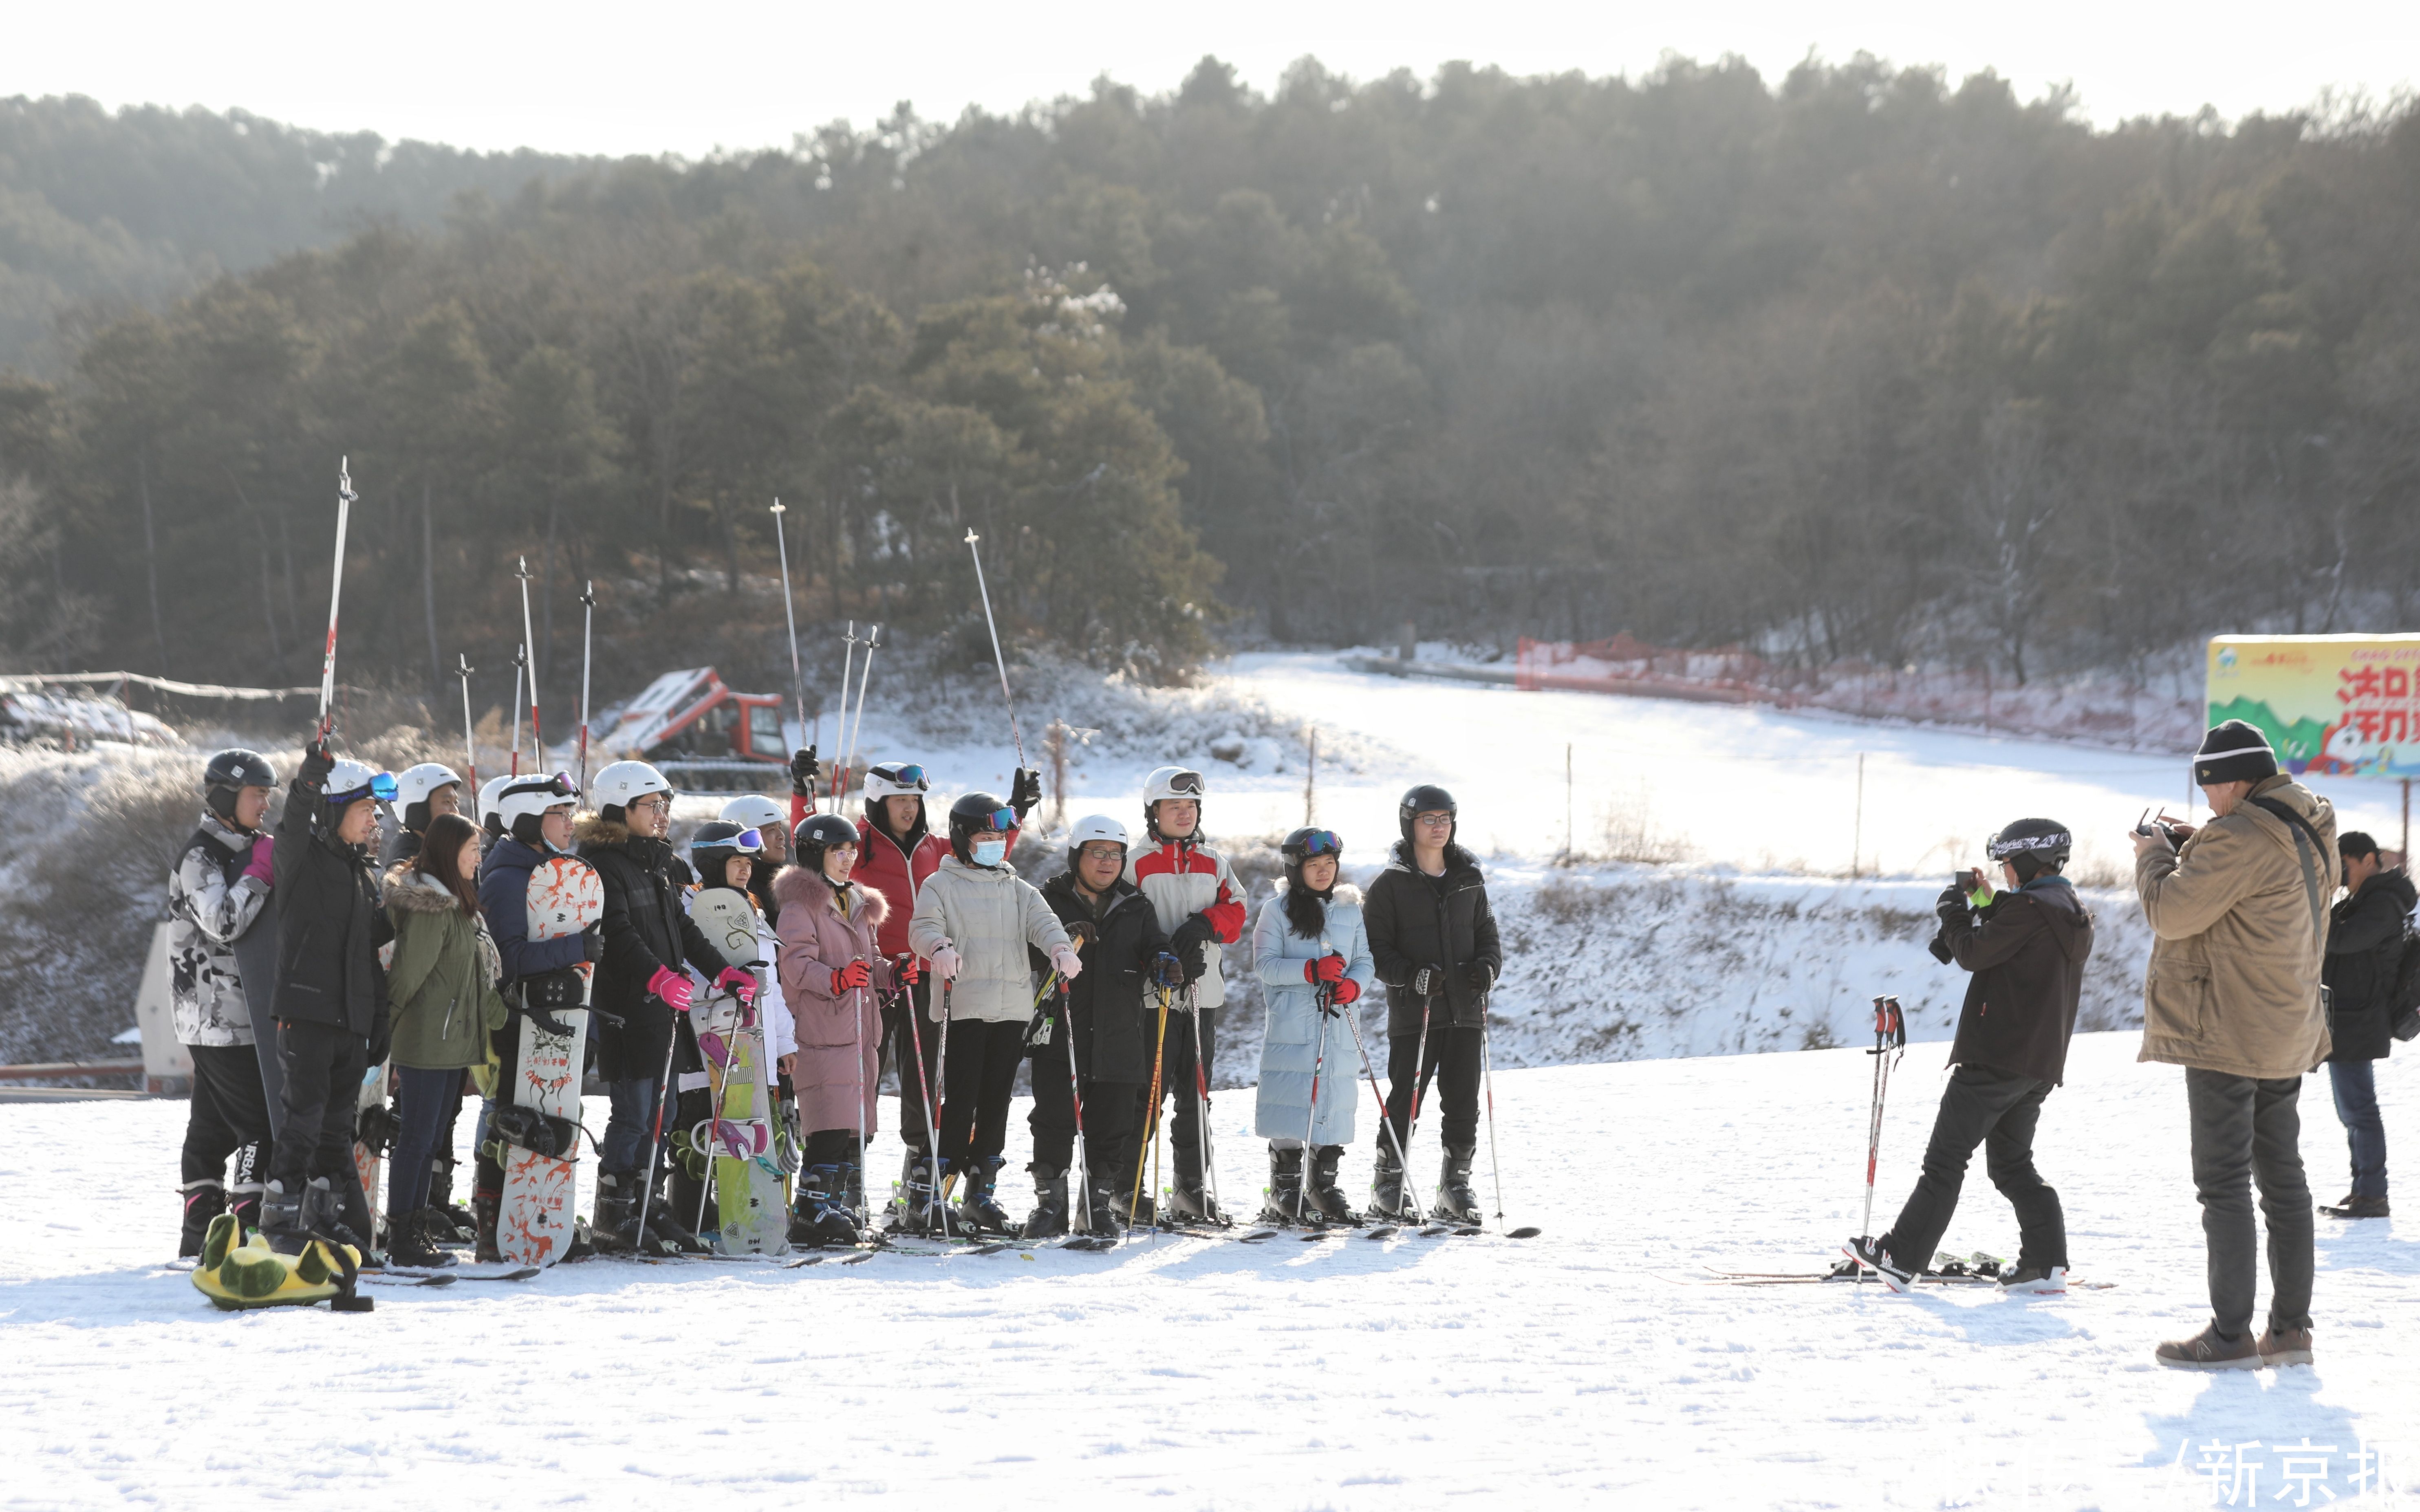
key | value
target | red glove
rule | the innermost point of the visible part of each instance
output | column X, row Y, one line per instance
column 851, row 976
column 1330, row 967
column 1348, row 992
column 672, row 987
column 262, row 864
column 739, row 984
column 908, row 970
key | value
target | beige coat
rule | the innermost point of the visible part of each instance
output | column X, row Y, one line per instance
column 2240, row 917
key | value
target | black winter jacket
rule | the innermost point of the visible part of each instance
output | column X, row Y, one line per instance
column 2365, row 949
column 1110, row 1001
column 644, row 928
column 329, row 923
column 1417, row 920
column 2026, row 950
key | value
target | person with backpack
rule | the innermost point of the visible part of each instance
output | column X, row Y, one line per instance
column 2024, row 946
column 2369, row 932
column 331, row 1002
column 1117, row 937
column 218, row 893
column 2239, row 916
column 1312, row 955
column 442, row 986
column 975, row 918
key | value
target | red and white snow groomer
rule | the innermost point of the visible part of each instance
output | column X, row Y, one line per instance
column 700, row 733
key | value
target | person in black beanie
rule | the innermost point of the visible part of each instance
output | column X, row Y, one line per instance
column 2238, row 914
column 2027, row 947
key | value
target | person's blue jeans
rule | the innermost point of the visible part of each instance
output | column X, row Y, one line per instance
column 630, row 1129
column 428, row 1101
column 2355, row 1084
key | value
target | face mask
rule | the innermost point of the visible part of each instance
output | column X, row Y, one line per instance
column 990, row 852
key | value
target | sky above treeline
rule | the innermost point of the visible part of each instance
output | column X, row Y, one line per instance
column 617, row 77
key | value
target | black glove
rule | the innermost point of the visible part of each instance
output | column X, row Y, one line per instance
column 1480, row 975
column 1168, row 971
column 803, row 772
column 381, row 1040
column 1080, row 935
column 316, row 763
column 1951, row 905
column 1427, row 980
column 592, row 942
column 1190, row 944
column 1025, row 791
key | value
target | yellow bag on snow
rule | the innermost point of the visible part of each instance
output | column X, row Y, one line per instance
column 239, row 1271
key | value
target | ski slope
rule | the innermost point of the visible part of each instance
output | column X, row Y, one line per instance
column 1587, row 1368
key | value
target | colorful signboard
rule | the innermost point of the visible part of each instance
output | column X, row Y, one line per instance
column 2339, row 705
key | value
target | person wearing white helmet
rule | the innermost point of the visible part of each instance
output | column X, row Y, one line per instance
column 422, row 795
column 534, row 816
column 1201, row 907
column 649, row 940
column 488, row 819
column 331, row 1002
column 896, row 852
column 771, row 821
column 1118, row 938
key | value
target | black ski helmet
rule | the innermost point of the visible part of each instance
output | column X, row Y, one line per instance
column 1304, row 844
column 817, row 833
column 977, row 814
column 230, row 772
column 1427, row 798
column 2032, row 846
column 712, row 847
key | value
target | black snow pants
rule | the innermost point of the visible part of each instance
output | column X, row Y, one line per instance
column 229, row 1115
column 1998, row 1110
column 1454, row 1060
column 977, row 1085
column 324, row 1066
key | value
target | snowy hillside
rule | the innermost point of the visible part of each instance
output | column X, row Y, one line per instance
column 1589, row 1366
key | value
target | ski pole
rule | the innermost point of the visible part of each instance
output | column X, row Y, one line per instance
column 790, row 613
column 864, row 675
column 1151, row 1119
column 529, row 641
column 938, row 1204
column 1419, row 1094
column 587, row 660
column 1322, row 1000
column 1890, row 1033
column 1076, row 1100
column 345, row 497
column 656, row 1141
column 714, row 1128
column 857, row 1039
column 1487, row 1074
column 924, row 1087
column 848, row 660
column 1202, row 1098
column 1386, row 1119
column 999, row 660
column 520, row 665
column 470, row 749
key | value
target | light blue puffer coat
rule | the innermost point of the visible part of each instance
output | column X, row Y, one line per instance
column 1290, row 1042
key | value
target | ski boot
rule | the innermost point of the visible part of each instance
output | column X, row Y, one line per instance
column 456, row 1225
column 1194, row 1204
column 1285, row 1203
column 666, row 1229
column 281, row 1218
column 205, row 1199
column 1455, row 1200
column 918, row 1208
column 822, row 1216
column 1102, row 1191
column 617, row 1212
column 1050, row 1217
column 315, row 1212
column 979, row 1208
column 2034, row 1280
column 485, row 1208
column 1327, row 1200
column 415, row 1236
column 1874, row 1254
column 1388, row 1202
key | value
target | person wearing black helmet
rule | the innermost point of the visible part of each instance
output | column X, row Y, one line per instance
column 1433, row 938
column 218, row 894
column 831, row 975
column 974, row 920
column 2025, row 944
column 1312, row 955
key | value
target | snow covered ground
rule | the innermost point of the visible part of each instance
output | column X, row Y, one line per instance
column 1589, row 1367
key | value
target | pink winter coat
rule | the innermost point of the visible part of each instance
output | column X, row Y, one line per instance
column 817, row 940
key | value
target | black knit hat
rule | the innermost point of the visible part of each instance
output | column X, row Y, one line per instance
column 2234, row 753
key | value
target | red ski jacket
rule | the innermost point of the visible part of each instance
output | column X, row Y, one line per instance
column 897, row 874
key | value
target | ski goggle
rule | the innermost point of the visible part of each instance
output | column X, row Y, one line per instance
column 908, row 775
column 381, row 786
column 747, row 842
column 1185, row 784
column 999, row 819
column 558, row 786
column 1319, row 842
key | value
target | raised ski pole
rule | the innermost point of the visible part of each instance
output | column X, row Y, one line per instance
column 864, row 675
column 1386, row 1121
column 345, row 497
column 529, row 643
column 587, row 660
column 520, row 665
column 1151, row 1121
column 1202, row 1093
column 470, row 747
column 1076, row 1100
column 998, row 660
column 848, row 660
column 1890, row 1035
column 790, row 615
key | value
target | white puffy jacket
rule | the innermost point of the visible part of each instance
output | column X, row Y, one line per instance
column 989, row 915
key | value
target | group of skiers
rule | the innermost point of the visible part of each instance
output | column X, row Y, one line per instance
column 301, row 966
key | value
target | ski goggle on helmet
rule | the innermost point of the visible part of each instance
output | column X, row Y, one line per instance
column 350, row 781
column 897, row 779
column 1305, row 843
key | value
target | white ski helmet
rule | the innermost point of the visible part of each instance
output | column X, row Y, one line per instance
column 529, row 797
column 350, row 781
column 1169, row 782
column 617, row 784
column 896, row 779
column 1097, row 826
column 415, row 783
column 489, row 792
column 753, row 811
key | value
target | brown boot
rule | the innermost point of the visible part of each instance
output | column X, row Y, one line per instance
column 2284, row 1346
column 2206, row 1350
column 2352, row 1206
column 485, row 1208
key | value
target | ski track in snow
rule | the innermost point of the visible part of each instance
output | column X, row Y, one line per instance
column 1583, row 1365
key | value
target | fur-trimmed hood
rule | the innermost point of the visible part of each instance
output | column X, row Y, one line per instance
column 590, row 827
column 1343, row 892
column 795, row 886
column 410, row 890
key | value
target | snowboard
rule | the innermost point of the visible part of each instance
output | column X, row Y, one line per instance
column 534, row 1221
column 753, row 1216
column 369, row 1159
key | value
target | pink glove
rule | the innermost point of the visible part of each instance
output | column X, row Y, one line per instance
column 740, row 984
column 1070, row 965
column 945, row 963
column 672, row 987
column 262, row 864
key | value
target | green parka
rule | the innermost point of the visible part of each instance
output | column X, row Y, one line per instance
column 442, row 985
